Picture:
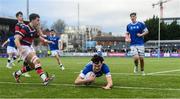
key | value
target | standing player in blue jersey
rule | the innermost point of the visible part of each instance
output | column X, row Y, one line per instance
column 55, row 47
column 11, row 51
column 94, row 69
column 135, row 35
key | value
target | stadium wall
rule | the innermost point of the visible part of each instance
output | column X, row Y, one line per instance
column 107, row 54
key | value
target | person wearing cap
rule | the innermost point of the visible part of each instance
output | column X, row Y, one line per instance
column 94, row 69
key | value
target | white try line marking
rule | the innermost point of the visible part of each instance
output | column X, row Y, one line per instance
column 118, row 87
column 149, row 74
column 148, row 88
column 161, row 72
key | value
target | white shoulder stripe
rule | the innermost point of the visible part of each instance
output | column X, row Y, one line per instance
column 19, row 32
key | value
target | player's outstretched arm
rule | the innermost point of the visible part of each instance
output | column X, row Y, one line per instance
column 79, row 81
column 109, row 83
column 39, row 30
column 41, row 33
column 46, row 41
column 5, row 43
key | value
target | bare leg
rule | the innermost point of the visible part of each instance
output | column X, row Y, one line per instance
column 59, row 62
column 136, row 62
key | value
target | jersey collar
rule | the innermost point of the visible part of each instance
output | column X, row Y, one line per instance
column 134, row 23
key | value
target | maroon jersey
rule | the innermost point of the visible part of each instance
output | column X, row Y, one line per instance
column 19, row 26
column 28, row 34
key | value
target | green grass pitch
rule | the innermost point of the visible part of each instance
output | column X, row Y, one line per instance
column 162, row 80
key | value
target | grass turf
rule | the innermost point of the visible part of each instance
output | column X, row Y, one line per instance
column 126, row 84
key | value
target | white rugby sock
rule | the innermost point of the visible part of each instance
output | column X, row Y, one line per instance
column 43, row 77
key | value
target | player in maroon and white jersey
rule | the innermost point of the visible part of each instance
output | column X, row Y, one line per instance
column 23, row 40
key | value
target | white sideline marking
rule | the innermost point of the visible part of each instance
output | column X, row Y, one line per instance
column 118, row 87
column 163, row 72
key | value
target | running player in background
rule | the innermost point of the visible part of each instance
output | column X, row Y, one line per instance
column 11, row 51
column 55, row 47
column 135, row 36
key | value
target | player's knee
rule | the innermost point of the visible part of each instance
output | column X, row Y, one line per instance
column 38, row 61
column 136, row 57
column 57, row 57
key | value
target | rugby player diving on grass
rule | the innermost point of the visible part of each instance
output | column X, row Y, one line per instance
column 96, row 68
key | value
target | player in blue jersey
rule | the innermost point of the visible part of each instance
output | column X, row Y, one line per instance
column 11, row 51
column 55, row 47
column 135, row 36
column 94, row 69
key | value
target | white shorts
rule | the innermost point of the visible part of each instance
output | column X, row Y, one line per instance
column 33, row 49
column 137, row 50
column 11, row 50
column 26, row 51
column 55, row 52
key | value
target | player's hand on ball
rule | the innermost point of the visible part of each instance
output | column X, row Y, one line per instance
column 139, row 35
column 91, row 78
